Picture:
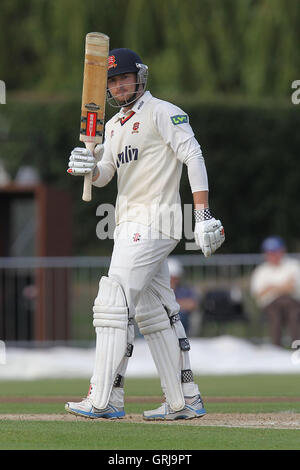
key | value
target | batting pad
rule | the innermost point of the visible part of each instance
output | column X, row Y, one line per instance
column 154, row 324
column 111, row 322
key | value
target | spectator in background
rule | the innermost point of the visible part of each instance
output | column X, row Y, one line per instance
column 186, row 297
column 275, row 284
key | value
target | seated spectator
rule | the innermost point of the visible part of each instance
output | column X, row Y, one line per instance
column 185, row 295
column 275, row 284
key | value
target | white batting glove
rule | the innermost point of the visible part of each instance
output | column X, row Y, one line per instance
column 209, row 235
column 82, row 161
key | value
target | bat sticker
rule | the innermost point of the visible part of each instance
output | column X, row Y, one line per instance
column 91, row 124
column 92, row 106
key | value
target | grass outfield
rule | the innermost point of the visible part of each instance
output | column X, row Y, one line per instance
column 239, row 396
column 225, row 386
column 92, row 435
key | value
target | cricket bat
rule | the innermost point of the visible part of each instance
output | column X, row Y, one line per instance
column 93, row 97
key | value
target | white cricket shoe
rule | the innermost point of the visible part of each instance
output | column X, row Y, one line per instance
column 193, row 409
column 86, row 409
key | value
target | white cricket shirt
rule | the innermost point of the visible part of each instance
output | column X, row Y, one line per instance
column 146, row 147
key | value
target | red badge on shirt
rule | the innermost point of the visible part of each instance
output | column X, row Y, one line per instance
column 135, row 128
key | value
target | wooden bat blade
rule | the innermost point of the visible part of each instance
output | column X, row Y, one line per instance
column 93, row 96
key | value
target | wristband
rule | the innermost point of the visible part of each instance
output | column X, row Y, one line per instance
column 202, row 214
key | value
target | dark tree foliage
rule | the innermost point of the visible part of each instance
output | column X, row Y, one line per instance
column 228, row 63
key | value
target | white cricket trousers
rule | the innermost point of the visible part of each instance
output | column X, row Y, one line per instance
column 139, row 261
column 138, row 264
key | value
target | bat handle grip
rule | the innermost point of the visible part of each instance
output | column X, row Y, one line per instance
column 87, row 184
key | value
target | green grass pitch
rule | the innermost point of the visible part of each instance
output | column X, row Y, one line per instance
column 119, row 435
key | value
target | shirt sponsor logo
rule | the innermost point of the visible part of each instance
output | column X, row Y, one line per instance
column 127, row 155
column 179, row 119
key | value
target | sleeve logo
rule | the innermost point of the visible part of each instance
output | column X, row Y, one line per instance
column 179, row 119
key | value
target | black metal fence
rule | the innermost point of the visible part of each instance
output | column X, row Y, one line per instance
column 51, row 299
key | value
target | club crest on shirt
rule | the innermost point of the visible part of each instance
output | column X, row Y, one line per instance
column 135, row 128
column 179, row 119
column 128, row 155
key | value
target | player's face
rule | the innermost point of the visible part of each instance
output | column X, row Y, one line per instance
column 122, row 87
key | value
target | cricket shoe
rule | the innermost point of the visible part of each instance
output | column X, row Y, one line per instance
column 193, row 409
column 86, row 409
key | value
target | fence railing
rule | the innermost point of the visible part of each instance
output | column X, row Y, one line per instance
column 51, row 299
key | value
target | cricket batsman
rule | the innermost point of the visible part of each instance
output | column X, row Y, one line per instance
column 146, row 143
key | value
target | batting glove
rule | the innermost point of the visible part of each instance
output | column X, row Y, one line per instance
column 82, row 161
column 209, row 235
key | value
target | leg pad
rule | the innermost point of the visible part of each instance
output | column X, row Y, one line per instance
column 111, row 323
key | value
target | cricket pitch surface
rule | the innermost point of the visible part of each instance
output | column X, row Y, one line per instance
column 282, row 420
